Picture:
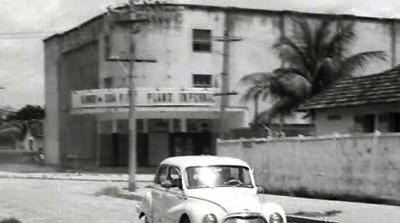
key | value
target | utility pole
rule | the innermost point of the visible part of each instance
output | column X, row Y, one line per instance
column 226, row 40
column 135, row 18
column 132, row 110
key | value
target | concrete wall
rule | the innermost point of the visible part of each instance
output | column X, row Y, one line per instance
column 344, row 121
column 361, row 166
column 71, row 64
column 78, row 70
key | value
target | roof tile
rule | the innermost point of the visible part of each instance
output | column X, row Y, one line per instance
column 371, row 89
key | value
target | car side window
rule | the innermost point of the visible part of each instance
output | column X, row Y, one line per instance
column 175, row 177
column 161, row 174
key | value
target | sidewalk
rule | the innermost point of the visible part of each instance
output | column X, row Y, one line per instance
column 77, row 176
column 337, row 211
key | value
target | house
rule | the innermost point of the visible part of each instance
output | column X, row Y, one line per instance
column 359, row 105
column 177, row 110
column 22, row 136
column 33, row 137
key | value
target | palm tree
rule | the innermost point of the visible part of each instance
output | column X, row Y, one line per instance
column 320, row 55
column 314, row 59
column 258, row 85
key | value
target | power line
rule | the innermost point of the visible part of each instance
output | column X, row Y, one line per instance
column 26, row 35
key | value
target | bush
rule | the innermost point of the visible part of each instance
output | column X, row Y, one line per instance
column 10, row 220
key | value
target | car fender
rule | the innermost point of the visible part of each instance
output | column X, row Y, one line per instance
column 270, row 208
column 197, row 209
column 144, row 208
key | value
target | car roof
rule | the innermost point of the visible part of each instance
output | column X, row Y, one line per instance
column 204, row 160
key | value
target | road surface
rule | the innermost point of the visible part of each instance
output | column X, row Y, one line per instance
column 63, row 201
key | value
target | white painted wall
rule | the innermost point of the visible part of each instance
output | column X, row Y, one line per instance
column 363, row 166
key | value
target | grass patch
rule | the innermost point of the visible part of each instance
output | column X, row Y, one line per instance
column 318, row 214
column 115, row 192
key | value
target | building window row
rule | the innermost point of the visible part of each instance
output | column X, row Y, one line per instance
column 385, row 122
column 198, row 81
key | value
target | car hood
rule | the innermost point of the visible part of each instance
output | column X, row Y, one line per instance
column 232, row 200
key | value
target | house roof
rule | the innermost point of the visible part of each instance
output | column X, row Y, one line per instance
column 365, row 90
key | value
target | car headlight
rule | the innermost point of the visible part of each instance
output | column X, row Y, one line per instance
column 275, row 218
column 210, row 218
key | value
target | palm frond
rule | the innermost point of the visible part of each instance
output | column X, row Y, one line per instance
column 296, row 55
column 322, row 32
column 358, row 61
column 255, row 77
column 258, row 84
column 290, row 70
column 302, row 31
column 284, row 106
column 251, row 92
column 341, row 40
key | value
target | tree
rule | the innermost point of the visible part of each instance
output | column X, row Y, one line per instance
column 314, row 58
column 28, row 112
column 258, row 85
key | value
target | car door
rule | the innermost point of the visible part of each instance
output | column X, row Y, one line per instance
column 173, row 196
column 157, row 194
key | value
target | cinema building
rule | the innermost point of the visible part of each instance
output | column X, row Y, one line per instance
column 177, row 110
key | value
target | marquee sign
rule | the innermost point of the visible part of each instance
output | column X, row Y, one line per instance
column 97, row 98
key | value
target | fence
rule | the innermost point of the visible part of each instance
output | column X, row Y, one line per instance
column 364, row 166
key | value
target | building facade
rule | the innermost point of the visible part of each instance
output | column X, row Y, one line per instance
column 178, row 112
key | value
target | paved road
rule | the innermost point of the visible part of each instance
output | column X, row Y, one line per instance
column 34, row 201
column 63, row 201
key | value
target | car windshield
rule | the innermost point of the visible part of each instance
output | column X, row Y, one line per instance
column 218, row 176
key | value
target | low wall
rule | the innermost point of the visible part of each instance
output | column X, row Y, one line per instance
column 365, row 166
column 13, row 156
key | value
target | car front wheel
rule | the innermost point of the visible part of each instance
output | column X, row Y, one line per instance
column 185, row 219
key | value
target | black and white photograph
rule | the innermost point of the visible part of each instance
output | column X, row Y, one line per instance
column 199, row 111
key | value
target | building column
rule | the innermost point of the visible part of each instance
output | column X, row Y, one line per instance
column 183, row 125
column 98, row 147
column 114, row 126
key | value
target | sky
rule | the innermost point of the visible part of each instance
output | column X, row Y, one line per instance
column 25, row 23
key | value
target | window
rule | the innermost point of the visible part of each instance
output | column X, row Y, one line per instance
column 202, row 80
column 218, row 176
column 108, row 82
column 161, row 175
column 201, row 40
column 107, row 46
column 366, row 123
column 175, row 177
column 394, row 122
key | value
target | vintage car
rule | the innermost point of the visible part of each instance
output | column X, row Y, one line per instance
column 206, row 189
